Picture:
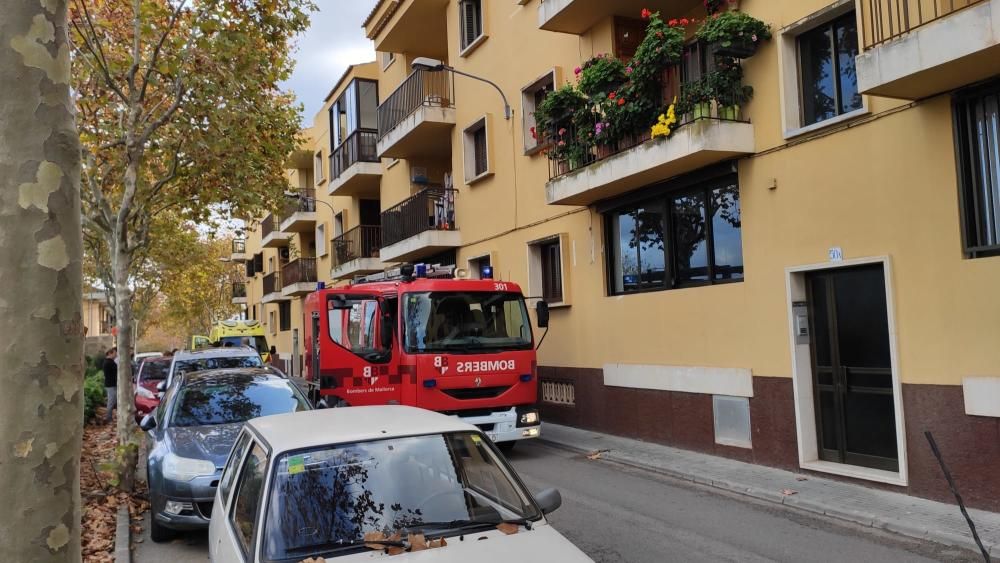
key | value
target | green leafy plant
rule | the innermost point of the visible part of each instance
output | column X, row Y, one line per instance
column 725, row 83
column 556, row 120
column 93, row 394
column 601, row 75
column 729, row 28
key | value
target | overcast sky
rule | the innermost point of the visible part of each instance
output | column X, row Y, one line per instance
column 334, row 41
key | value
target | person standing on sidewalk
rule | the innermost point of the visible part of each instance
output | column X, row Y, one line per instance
column 111, row 381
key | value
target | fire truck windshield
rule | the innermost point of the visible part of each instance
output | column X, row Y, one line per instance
column 468, row 322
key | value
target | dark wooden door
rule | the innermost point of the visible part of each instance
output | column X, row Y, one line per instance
column 852, row 367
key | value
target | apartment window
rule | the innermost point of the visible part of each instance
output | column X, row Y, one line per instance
column 285, row 315
column 338, row 224
column 546, row 272
column 253, row 314
column 471, row 14
column 321, row 239
column 248, row 265
column 272, row 322
column 828, row 80
column 258, row 263
column 477, row 266
column 977, row 122
column 477, row 161
column 680, row 237
column 388, row 59
column 318, row 167
column 628, row 35
column 270, row 264
column 531, row 98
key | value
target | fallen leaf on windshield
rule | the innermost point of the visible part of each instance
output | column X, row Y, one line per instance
column 372, row 539
column 417, row 542
column 788, row 492
column 313, row 560
column 509, row 529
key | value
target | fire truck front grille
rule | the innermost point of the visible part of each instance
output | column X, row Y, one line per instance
column 476, row 392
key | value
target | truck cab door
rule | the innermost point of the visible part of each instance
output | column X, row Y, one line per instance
column 200, row 342
column 357, row 362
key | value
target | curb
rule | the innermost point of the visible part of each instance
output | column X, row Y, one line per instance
column 864, row 519
column 123, row 536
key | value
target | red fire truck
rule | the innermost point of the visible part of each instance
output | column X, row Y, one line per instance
column 431, row 340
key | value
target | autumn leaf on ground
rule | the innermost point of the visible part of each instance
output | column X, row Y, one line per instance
column 508, row 529
column 788, row 492
column 801, row 478
column 595, row 455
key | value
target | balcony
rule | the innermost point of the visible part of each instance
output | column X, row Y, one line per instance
column 271, row 235
column 609, row 171
column 420, row 226
column 300, row 215
column 355, row 168
column 272, row 289
column 409, row 26
column 298, row 277
column 417, row 118
column 239, row 253
column 918, row 48
column 578, row 16
column 357, row 252
column 239, row 293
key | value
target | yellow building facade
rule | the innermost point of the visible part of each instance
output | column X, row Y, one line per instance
column 809, row 283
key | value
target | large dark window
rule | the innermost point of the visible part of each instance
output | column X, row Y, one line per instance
column 677, row 238
column 552, row 289
column 285, row 315
column 829, row 81
column 471, row 13
column 977, row 124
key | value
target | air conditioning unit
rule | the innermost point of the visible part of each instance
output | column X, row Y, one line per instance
column 284, row 253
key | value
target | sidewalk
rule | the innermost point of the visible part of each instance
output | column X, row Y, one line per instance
column 903, row 514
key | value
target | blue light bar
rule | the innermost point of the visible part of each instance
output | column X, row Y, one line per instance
column 526, row 377
column 487, row 272
column 421, row 270
column 430, row 383
column 320, row 285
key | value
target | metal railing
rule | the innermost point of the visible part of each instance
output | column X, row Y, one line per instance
column 271, row 283
column 239, row 290
column 360, row 146
column 421, row 88
column 306, row 203
column 432, row 209
column 301, row 270
column 269, row 225
column 239, row 246
column 885, row 20
column 360, row 242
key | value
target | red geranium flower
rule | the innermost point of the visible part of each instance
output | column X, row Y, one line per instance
column 646, row 14
column 621, row 101
column 612, row 95
column 684, row 21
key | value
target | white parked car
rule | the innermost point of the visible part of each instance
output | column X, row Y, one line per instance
column 363, row 483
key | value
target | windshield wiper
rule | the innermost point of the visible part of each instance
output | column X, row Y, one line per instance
column 467, row 525
column 340, row 545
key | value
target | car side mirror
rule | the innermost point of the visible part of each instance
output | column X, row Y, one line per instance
column 148, row 423
column 542, row 313
column 549, row 500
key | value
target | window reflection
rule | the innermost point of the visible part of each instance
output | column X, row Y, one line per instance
column 690, row 235
column 642, row 257
column 828, row 73
column 229, row 402
column 727, row 235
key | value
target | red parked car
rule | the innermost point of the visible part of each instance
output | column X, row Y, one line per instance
column 151, row 372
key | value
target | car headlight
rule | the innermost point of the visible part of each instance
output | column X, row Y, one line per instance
column 530, row 417
column 145, row 393
column 177, row 468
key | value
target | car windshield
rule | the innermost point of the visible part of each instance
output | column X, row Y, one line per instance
column 225, row 362
column 258, row 343
column 227, row 402
column 154, row 370
column 325, row 500
column 465, row 322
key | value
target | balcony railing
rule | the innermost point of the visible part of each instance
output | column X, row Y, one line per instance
column 360, row 242
column 360, row 146
column 239, row 246
column 306, row 203
column 421, row 88
column 432, row 209
column 269, row 225
column 885, row 20
column 239, row 290
column 301, row 270
column 271, row 283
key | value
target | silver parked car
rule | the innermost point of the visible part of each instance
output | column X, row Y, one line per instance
column 192, row 432
column 188, row 361
column 349, row 484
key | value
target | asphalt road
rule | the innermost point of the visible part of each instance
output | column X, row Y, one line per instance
column 617, row 514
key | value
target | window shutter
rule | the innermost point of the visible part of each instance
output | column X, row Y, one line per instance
column 249, row 268
column 481, row 152
column 471, row 13
column 551, row 272
column 258, row 263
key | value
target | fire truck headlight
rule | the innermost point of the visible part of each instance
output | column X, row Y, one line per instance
column 530, row 417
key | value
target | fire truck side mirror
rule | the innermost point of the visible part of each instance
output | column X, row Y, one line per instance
column 542, row 314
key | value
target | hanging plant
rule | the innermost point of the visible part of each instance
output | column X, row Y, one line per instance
column 556, row 121
column 716, row 6
column 601, row 75
column 734, row 34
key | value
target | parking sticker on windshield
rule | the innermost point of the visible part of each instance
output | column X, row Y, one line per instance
column 296, row 465
column 476, row 439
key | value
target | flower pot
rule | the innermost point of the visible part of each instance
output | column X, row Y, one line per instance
column 731, row 113
column 702, row 110
column 738, row 48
